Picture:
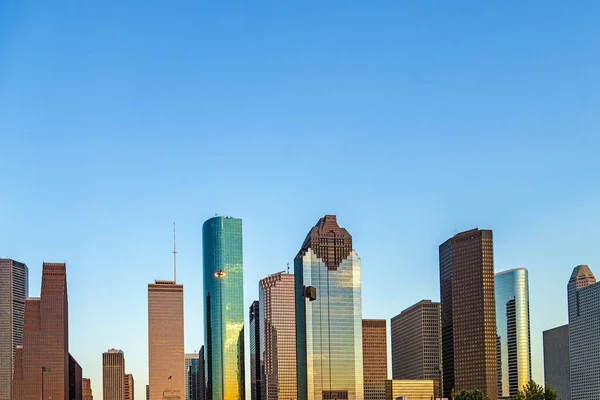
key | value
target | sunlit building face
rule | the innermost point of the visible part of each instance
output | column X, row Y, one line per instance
column 329, row 328
column 512, row 331
column 223, row 308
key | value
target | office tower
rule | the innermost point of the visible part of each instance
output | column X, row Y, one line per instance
column 165, row 340
column 277, row 319
column 584, row 333
column 129, row 387
column 113, row 375
column 147, row 392
column 201, row 376
column 86, row 389
column 75, row 379
column 375, row 371
column 512, row 330
column 224, row 308
column 417, row 342
column 255, row 368
column 13, row 291
column 193, row 385
column 556, row 360
column 468, row 313
column 45, row 351
column 328, row 315
column 187, row 372
column 412, row 389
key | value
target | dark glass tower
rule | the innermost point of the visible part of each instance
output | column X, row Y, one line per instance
column 223, row 308
column 328, row 315
column 468, row 313
column 255, row 369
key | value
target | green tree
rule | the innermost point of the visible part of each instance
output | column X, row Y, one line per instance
column 474, row 394
column 533, row 391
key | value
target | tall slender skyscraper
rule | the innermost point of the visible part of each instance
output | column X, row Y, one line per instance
column 75, row 379
column 468, row 313
column 255, row 368
column 45, row 352
column 512, row 330
column 417, row 342
column 165, row 340
column 584, row 334
column 201, row 376
column 556, row 360
column 113, row 375
column 13, row 291
column 278, row 337
column 375, row 359
column 328, row 315
column 223, row 308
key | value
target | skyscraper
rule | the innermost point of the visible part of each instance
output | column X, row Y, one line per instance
column 416, row 342
column 375, row 371
column 189, row 359
column 584, row 333
column 129, row 387
column 255, row 368
column 113, row 375
column 224, row 308
column 86, row 389
column 165, row 340
column 277, row 337
column 45, row 352
column 75, row 379
column 468, row 313
column 512, row 330
column 556, row 361
column 13, row 291
column 201, row 377
column 328, row 315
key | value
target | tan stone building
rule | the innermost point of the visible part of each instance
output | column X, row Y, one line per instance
column 129, row 388
column 113, row 375
column 165, row 339
column 86, row 388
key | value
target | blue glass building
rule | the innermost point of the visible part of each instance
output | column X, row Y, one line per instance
column 223, row 308
column 328, row 315
column 513, row 344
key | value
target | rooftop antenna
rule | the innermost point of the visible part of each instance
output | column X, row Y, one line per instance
column 174, row 256
column 288, row 269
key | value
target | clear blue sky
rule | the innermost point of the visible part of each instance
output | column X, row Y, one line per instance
column 410, row 120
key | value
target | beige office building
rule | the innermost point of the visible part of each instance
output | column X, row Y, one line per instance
column 86, row 389
column 165, row 340
column 113, row 375
column 129, row 389
column 411, row 389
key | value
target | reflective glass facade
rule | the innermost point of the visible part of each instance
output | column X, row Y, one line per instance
column 513, row 331
column 329, row 328
column 255, row 369
column 223, row 308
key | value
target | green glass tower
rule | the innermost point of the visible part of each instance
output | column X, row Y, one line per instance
column 223, row 308
column 329, row 352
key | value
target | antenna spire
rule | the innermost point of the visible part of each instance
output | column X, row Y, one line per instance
column 174, row 256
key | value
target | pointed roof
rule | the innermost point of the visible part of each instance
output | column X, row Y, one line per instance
column 582, row 276
column 330, row 243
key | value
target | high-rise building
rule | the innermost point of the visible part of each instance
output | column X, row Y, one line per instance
column 412, row 389
column 584, row 333
column 193, row 385
column 556, row 360
column 255, row 367
column 86, row 389
column 13, row 291
column 129, row 387
column 201, row 377
column 416, row 342
column 328, row 315
column 165, row 339
column 277, row 319
column 223, row 308
column 75, row 379
column 45, row 351
column 513, row 331
column 375, row 373
column 189, row 359
column 468, row 313
column 113, row 375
